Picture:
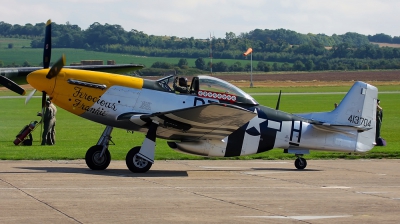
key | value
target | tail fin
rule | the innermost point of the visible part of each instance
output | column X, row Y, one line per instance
column 356, row 111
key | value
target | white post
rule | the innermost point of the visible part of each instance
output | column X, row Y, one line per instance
column 251, row 70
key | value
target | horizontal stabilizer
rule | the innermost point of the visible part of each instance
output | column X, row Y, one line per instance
column 359, row 128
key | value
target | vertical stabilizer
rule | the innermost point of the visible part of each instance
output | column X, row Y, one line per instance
column 358, row 107
column 356, row 111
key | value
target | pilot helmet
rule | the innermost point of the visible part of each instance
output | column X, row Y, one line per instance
column 183, row 81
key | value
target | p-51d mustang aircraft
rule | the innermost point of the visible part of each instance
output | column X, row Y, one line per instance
column 214, row 118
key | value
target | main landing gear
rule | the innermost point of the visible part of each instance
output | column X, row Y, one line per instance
column 98, row 157
column 138, row 160
column 136, row 163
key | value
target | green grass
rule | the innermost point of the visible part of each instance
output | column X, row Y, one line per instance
column 75, row 135
column 18, row 43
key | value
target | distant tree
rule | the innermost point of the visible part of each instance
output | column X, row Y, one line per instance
column 261, row 65
column 230, row 36
column 298, row 66
column 396, row 40
column 26, row 64
column 247, row 67
column 275, row 66
column 341, row 50
column 285, row 67
column 236, row 67
column 200, row 63
column 66, row 40
column 380, row 37
column 324, row 65
column 182, row 63
column 159, row 64
column 1, row 63
column 220, row 67
column 309, row 65
column 267, row 68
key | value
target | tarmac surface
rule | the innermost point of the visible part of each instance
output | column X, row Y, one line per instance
column 201, row 191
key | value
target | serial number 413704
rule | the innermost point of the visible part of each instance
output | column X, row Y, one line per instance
column 360, row 120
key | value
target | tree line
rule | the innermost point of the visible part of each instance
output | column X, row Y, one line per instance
column 285, row 49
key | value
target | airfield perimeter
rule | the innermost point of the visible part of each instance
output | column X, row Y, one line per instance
column 205, row 191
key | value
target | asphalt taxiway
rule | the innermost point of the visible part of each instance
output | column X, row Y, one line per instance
column 201, row 191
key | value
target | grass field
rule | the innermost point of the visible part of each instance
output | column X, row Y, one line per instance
column 17, row 43
column 75, row 135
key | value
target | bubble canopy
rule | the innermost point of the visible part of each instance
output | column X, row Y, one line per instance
column 209, row 83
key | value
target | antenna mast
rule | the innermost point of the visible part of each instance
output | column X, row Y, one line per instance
column 211, row 53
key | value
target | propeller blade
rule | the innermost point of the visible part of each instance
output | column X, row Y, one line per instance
column 30, row 96
column 56, row 68
column 8, row 83
column 47, row 45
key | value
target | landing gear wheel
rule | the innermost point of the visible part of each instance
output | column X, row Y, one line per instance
column 96, row 162
column 136, row 163
column 300, row 163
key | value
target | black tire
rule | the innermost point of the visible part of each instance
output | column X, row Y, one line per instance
column 300, row 163
column 135, row 163
column 93, row 159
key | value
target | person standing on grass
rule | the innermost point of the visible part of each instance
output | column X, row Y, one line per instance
column 52, row 139
column 49, row 121
column 379, row 118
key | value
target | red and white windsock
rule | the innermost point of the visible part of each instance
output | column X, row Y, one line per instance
column 248, row 52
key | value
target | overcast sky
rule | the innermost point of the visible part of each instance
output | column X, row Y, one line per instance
column 199, row 18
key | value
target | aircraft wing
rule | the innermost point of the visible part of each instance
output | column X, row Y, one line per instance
column 200, row 122
column 119, row 69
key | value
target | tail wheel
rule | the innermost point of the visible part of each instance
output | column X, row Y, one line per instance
column 300, row 163
column 136, row 163
column 95, row 161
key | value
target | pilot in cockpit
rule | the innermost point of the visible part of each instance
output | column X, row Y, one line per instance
column 182, row 87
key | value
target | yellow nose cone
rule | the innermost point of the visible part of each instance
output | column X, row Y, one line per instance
column 38, row 80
